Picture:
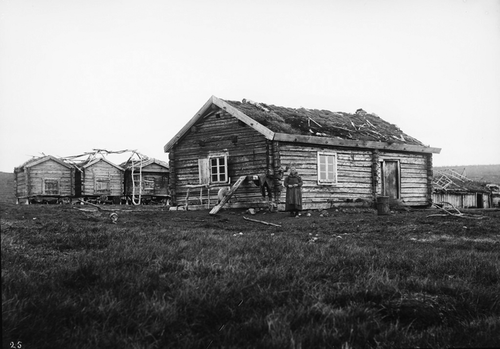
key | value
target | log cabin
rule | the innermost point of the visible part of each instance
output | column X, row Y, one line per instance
column 343, row 159
column 100, row 180
column 150, row 181
column 44, row 179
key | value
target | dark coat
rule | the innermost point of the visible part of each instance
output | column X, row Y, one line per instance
column 293, row 194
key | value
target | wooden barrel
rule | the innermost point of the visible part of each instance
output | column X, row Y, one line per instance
column 383, row 205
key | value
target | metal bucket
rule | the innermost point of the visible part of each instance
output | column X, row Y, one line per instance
column 383, row 205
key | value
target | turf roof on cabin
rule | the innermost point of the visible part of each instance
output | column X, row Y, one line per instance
column 324, row 123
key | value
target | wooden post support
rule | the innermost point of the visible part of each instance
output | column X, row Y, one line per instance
column 208, row 201
column 187, row 198
column 228, row 195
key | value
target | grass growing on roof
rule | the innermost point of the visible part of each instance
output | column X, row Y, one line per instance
column 324, row 123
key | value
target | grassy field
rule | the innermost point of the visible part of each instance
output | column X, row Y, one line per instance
column 165, row 279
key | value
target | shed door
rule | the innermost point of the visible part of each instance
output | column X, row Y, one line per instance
column 390, row 179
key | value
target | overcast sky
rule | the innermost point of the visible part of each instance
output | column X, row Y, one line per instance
column 78, row 75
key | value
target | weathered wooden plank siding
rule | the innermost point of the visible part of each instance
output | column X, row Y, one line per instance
column 49, row 169
column 102, row 170
column 247, row 155
column 458, row 200
column 155, row 168
column 20, row 184
column 354, row 173
column 161, row 181
column 414, row 176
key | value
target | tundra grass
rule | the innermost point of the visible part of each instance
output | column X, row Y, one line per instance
column 186, row 280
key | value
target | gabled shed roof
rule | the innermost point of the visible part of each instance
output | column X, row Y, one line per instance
column 360, row 130
column 42, row 159
column 127, row 165
column 95, row 161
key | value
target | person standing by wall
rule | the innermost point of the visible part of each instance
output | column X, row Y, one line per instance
column 293, row 185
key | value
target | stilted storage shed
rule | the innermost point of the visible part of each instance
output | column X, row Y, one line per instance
column 44, row 179
column 146, row 181
column 101, row 179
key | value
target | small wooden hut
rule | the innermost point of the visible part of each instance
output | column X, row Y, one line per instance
column 43, row 180
column 344, row 159
column 101, row 180
column 452, row 187
column 147, row 180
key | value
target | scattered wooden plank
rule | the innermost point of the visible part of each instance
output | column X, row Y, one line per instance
column 98, row 207
column 263, row 222
column 449, row 212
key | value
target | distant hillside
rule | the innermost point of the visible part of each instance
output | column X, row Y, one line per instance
column 7, row 193
column 480, row 173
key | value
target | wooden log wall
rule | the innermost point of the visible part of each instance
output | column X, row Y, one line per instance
column 430, row 176
column 103, row 170
column 172, row 176
column 376, row 174
column 277, row 167
column 20, row 184
column 154, row 172
column 248, row 154
column 33, row 181
column 354, row 174
column 415, row 186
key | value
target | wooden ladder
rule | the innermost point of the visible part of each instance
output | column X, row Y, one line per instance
column 228, row 195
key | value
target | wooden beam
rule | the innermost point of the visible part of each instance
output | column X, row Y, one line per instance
column 244, row 118
column 284, row 137
column 228, row 195
column 263, row 222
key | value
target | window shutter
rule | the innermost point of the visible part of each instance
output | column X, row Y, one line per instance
column 204, row 171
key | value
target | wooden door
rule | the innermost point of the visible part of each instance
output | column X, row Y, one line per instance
column 390, row 179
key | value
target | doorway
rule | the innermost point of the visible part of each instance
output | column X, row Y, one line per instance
column 391, row 179
column 479, row 198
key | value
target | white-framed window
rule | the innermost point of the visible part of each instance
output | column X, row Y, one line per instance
column 213, row 169
column 218, row 168
column 327, row 168
column 51, row 186
column 102, row 184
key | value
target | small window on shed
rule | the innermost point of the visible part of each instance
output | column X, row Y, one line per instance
column 148, row 183
column 51, row 186
column 102, row 184
column 327, row 168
